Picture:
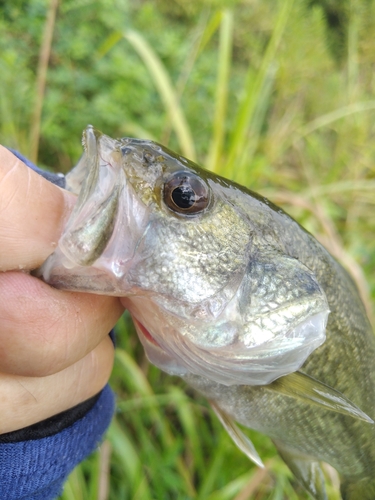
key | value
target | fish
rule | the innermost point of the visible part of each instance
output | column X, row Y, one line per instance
column 231, row 294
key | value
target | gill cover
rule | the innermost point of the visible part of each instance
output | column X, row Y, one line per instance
column 208, row 297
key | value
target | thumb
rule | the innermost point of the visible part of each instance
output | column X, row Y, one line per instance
column 32, row 214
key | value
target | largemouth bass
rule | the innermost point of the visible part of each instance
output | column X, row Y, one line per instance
column 231, row 294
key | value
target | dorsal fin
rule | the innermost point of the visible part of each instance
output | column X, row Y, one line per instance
column 311, row 391
column 239, row 437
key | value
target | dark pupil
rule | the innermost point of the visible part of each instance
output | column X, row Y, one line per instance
column 183, row 196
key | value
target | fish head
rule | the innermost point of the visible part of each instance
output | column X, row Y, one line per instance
column 210, row 288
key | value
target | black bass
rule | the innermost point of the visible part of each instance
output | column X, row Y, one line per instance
column 231, row 294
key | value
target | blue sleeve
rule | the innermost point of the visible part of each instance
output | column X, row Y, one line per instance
column 37, row 469
column 58, row 179
column 35, row 466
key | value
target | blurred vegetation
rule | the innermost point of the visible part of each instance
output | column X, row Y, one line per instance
column 277, row 95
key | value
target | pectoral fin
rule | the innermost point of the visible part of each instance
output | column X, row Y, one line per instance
column 298, row 385
column 239, row 437
column 306, row 471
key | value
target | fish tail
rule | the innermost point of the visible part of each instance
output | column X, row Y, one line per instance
column 361, row 490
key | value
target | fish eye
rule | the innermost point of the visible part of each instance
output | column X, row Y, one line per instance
column 185, row 193
column 125, row 150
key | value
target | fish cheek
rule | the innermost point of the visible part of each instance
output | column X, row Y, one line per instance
column 185, row 265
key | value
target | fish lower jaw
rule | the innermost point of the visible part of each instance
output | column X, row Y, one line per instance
column 155, row 354
column 145, row 333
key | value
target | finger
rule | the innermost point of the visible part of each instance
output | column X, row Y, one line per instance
column 43, row 330
column 27, row 400
column 32, row 214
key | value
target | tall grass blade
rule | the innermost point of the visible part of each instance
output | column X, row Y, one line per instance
column 104, row 471
column 108, row 44
column 254, row 86
column 213, row 468
column 136, row 378
column 224, row 63
column 210, row 30
column 255, row 128
column 236, row 487
column 353, row 56
column 333, row 116
column 167, row 93
column 44, row 55
column 342, row 187
column 133, row 374
column 189, row 61
column 187, row 417
column 75, row 488
column 128, row 456
column 9, row 126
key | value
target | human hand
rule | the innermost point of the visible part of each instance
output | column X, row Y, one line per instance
column 54, row 346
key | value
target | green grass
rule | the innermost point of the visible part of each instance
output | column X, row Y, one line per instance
column 265, row 92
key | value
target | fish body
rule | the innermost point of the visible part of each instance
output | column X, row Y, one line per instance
column 231, row 294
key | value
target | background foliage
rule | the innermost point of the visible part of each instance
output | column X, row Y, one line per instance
column 278, row 95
